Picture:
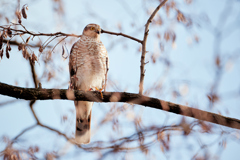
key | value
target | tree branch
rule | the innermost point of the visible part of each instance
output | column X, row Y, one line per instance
column 121, row 34
column 131, row 98
column 144, row 42
column 18, row 43
column 25, row 130
column 19, row 32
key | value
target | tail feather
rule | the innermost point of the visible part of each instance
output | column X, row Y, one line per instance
column 83, row 121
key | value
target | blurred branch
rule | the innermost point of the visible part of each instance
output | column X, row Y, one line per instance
column 10, row 32
column 144, row 42
column 54, row 130
column 25, row 31
column 18, row 43
column 34, row 76
column 131, row 98
column 25, row 130
column 35, row 81
column 8, row 102
column 121, row 34
column 33, row 112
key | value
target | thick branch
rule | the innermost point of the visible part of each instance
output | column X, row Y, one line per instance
column 131, row 98
column 144, row 42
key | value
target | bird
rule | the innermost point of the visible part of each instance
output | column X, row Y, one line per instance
column 88, row 68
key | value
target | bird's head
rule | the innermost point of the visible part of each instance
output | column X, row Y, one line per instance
column 92, row 30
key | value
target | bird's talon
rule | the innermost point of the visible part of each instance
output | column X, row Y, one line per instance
column 101, row 95
column 99, row 90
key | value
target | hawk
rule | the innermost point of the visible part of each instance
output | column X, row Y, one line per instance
column 88, row 67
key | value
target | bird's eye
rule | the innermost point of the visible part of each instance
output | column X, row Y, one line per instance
column 92, row 28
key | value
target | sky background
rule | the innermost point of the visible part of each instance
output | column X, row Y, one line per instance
column 191, row 72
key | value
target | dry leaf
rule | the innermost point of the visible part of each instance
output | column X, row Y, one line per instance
column 1, row 41
column 19, row 16
column 28, row 39
column 24, row 14
column 34, row 58
column 20, row 46
column 9, row 32
column 7, row 20
column 170, row 35
column 1, row 53
column 7, row 53
column 41, row 49
column 9, row 48
column 217, row 61
column 63, row 51
column 196, row 38
column 188, row 1
column 181, row 17
column 166, row 36
column 213, row 97
column 25, row 53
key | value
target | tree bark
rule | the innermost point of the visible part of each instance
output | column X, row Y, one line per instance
column 131, row 98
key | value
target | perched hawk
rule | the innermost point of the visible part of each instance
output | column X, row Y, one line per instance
column 88, row 66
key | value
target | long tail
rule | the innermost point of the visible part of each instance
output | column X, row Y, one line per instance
column 83, row 121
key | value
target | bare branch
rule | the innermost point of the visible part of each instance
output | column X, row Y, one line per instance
column 25, row 130
column 18, row 32
column 58, row 43
column 121, row 34
column 8, row 102
column 12, row 42
column 54, row 130
column 33, row 112
column 131, row 98
column 34, row 75
column 144, row 42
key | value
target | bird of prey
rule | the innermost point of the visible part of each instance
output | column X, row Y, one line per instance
column 88, row 67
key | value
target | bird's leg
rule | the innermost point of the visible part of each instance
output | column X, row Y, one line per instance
column 99, row 90
column 104, row 87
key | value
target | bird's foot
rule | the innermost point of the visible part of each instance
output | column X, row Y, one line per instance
column 99, row 90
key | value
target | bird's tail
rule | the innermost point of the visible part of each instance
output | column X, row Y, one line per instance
column 83, row 121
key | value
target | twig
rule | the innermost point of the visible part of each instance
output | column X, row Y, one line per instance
column 58, row 43
column 131, row 98
column 40, row 34
column 142, row 74
column 35, row 81
column 49, row 42
column 34, row 75
column 8, row 102
column 25, row 130
column 33, row 112
column 18, row 43
column 60, row 133
column 121, row 34
column 15, row 139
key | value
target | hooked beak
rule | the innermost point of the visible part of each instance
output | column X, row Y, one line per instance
column 98, row 31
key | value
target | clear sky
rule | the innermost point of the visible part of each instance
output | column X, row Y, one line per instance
column 191, row 73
